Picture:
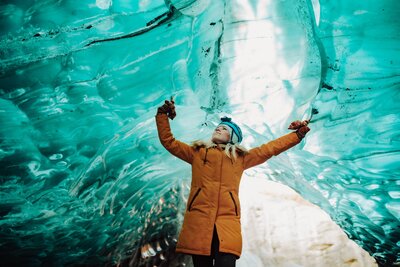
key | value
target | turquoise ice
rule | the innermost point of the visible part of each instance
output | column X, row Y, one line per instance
column 84, row 178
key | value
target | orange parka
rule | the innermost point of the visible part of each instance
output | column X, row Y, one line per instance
column 214, row 193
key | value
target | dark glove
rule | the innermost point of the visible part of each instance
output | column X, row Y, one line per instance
column 168, row 108
column 300, row 127
column 302, row 131
column 297, row 124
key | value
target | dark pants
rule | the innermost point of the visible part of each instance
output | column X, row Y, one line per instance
column 221, row 259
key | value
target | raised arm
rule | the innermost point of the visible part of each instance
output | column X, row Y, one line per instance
column 175, row 147
column 262, row 153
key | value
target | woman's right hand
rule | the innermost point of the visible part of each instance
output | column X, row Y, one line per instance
column 168, row 108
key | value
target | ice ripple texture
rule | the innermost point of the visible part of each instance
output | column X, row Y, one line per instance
column 83, row 176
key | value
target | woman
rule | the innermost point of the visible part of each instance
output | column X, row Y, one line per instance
column 211, row 227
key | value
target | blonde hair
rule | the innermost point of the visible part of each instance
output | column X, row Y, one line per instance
column 231, row 150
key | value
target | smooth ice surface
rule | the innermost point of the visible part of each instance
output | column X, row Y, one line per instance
column 83, row 176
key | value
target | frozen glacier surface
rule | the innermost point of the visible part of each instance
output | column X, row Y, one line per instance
column 83, row 177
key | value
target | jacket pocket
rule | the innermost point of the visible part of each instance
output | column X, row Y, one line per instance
column 234, row 203
column 194, row 197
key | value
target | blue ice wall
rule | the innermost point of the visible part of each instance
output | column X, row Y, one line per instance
column 83, row 177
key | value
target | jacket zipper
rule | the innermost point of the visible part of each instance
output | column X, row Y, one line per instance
column 194, row 197
column 205, row 158
column 219, row 189
column 234, row 203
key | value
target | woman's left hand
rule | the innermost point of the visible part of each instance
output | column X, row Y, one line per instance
column 295, row 125
column 302, row 131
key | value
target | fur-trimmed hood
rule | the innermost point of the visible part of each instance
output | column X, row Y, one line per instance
column 231, row 150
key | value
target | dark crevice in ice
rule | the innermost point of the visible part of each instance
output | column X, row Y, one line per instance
column 157, row 21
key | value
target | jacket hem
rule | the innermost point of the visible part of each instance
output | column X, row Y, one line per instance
column 204, row 252
column 193, row 251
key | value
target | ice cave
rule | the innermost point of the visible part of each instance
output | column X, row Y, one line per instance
column 85, row 181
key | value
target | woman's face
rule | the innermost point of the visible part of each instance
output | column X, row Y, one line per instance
column 221, row 135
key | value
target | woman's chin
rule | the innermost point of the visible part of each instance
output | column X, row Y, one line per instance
column 218, row 141
column 215, row 141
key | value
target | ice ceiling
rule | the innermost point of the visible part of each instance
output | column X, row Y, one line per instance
column 83, row 176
